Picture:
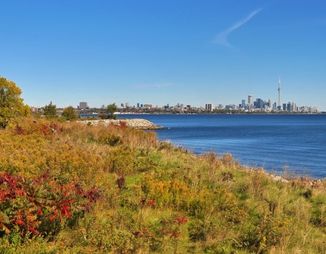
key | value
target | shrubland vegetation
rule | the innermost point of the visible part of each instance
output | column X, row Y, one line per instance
column 68, row 188
column 72, row 188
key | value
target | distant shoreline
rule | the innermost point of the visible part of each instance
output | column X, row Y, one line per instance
column 216, row 113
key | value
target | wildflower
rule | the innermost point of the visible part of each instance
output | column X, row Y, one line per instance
column 175, row 234
column 151, row 203
column 39, row 212
column 33, row 230
column 19, row 222
column 53, row 216
column 65, row 211
column 20, row 192
column 181, row 220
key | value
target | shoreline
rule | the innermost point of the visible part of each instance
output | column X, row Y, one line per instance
column 218, row 113
column 305, row 180
column 143, row 124
column 136, row 123
column 290, row 177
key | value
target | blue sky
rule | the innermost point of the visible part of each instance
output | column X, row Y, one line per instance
column 164, row 51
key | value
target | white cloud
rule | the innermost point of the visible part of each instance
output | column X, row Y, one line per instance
column 223, row 37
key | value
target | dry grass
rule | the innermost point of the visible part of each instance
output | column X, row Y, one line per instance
column 166, row 199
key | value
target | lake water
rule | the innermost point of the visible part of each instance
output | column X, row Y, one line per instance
column 295, row 143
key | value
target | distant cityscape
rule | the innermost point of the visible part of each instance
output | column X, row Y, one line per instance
column 248, row 105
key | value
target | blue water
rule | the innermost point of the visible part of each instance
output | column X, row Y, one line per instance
column 292, row 143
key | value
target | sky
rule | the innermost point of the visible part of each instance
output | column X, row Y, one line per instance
column 164, row 51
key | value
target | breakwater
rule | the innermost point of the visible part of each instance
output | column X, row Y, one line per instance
column 137, row 123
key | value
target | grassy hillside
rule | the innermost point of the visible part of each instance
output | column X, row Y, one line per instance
column 67, row 188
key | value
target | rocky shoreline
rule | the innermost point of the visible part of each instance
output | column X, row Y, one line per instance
column 301, row 180
column 136, row 123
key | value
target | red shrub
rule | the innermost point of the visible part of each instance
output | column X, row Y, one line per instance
column 32, row 203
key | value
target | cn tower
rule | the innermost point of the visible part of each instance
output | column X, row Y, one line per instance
column 279, row 95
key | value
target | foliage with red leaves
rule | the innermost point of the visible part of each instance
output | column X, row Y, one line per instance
column 30, row 203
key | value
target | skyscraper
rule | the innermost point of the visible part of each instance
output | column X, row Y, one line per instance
column 279, row 95
column 83, row 105
column 208, row 107
column 243, row 103
column 250, row 101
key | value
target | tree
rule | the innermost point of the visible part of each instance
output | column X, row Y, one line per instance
column 11, row 104
column 69, row 113
column 111, row 109
column 50, row 111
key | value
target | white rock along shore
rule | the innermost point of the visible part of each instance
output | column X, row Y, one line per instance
column 136, row 123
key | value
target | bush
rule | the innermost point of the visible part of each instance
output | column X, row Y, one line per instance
column 41, row 205
column 110, row 139
column 197, row 231
column 69, row 113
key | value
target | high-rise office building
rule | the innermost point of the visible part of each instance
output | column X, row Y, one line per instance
column 250, row 101
column 289, row 107
column 208, row 107
column 274, row 106
column 259, row 103
column 83, row 105
column 243, row 103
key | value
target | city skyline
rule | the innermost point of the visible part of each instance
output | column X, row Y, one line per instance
column 164, row 52
column 250, row 105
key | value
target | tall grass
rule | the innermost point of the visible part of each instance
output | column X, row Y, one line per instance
column 119, row 190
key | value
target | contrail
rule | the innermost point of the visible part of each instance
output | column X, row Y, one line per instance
column 222, row 38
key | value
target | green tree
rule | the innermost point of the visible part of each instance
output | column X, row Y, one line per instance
column 11, row 104
column 110, row 109
column 69, row 113
column 50, row 111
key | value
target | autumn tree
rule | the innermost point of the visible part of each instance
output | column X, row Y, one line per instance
column 69, row 113
column 50, row 110
column 11, row 104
